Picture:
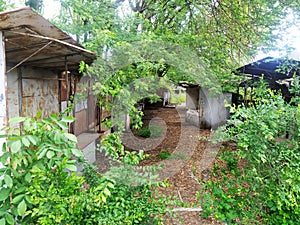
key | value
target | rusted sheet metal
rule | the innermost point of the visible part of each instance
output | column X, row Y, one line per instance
column 26, row 32
column 91, row 110
column 80, row 123
column 85, row 107
column 13, row 98
column 39, row 94
column 64, row 87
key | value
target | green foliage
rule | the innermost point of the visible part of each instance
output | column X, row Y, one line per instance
column 35, row 4
column 2, row 5
column 224, row 34
column 62, row 198
column 164, row 154
column 90, row 173
column 37, row 187
column 181, row 98
column 91, row 22
column 230, row 159
column 225, row 199
column 6, row 5
column 131, row 205
column 40, row 187
column 144, row 132
column 131, row 201
column 151, row 131
column 112, row 146
column 267, row 185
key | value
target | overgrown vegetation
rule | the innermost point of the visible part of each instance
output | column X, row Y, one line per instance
column 264, row 188
column 178, row 99
column 40, row 186
column 198, row 41
column 151, row 131
column 221, row 33
column 164, row 154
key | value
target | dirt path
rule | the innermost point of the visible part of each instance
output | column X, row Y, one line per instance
column 185, row 167
column 184, row 176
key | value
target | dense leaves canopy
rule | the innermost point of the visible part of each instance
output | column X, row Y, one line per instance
column 222, row 33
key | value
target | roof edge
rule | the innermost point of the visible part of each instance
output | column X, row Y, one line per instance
column 15, row 10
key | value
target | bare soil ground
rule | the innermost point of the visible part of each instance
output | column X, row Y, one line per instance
column 188, row 164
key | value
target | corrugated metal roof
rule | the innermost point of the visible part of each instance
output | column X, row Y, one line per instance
column 32, row 40
column 271, row 68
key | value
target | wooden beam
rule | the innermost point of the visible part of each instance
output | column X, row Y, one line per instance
column 56, row 40
column 42, row 78
column 21, row 48
column 33, row 54
column 59, row 58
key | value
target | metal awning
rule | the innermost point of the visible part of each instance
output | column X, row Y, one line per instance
column 273, row 69
column 31, row 40
column 277, row 72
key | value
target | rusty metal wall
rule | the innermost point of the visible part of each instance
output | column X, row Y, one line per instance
column 91, row 111
column 38, row 91
column 13, row 98
column 85, row 107
column 80, row 122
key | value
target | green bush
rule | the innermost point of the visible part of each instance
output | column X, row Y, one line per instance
column 164, row 154
column 39, row 185
column 181, row 98
column 152, row 131
column 267, row 189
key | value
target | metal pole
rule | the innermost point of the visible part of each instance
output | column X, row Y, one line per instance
column 3, row 91
column 20, row 91
column 3, row 84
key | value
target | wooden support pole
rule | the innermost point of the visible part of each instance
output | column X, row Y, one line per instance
column 187, row 210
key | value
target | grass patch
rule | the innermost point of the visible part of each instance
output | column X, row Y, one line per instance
column 152, row 131
column 164, row 154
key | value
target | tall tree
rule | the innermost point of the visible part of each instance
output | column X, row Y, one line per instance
column 3, row 5
column 90, row 21
column 35, row 4
column 223, row 32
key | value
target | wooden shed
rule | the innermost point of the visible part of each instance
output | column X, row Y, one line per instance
column 278, row 73
column 39, row 70
column 205, row 109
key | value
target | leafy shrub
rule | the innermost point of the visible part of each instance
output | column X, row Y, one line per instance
column 131, row 201
column 268, row 183
column 62, row 198
column 39, row 185
column 152, row 131
column 164, row 154
column 181, row 98
column 144, row 132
